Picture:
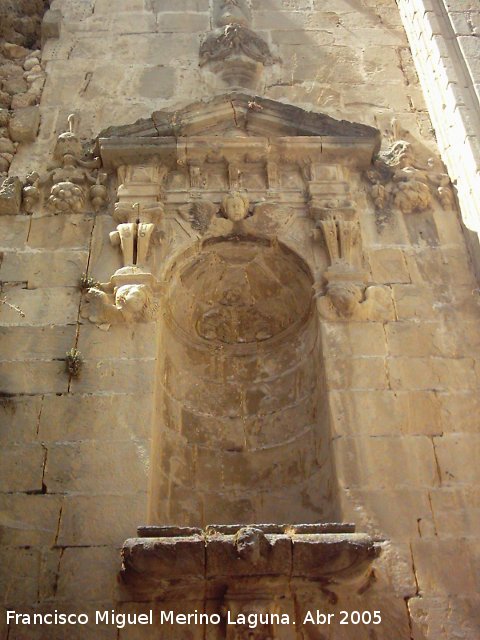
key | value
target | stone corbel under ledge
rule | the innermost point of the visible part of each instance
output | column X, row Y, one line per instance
column 263, row 561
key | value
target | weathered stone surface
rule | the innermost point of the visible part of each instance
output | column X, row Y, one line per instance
column 99, row 520
column 28, row 520
column 65, row 232
column 36, row 343
column 455, row 453
column 41, row 306
column 74, row 579
column 386, row 462
column 34, row 377
column 14, row 231
column 10, row 196
column 372, row 511
column 20, row 576
column 85, row 468
column 19, row 417
column 55, row 269
column 78, row 417
column 23, row 466
column 24, row 123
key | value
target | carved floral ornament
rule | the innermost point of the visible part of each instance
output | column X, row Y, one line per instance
column 72, row 181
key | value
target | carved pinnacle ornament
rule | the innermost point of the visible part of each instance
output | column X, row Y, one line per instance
column 235, row 39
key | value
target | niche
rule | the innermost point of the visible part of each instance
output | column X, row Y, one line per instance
column 241, row 430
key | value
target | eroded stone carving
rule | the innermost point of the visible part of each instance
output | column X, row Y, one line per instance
column 70, row 180
column 277, row 557
column 138, row 212
column 252, row 544
column 235, row 207
column 252, row 621
column 235, row 39
column 129, row 297
column 199, row 214
column 137, row 224
column 236, row 320
column 241, row 52
column 31, row 192
column 344, row 300
column 227, row 12
column 400, row 182
column 10, row 196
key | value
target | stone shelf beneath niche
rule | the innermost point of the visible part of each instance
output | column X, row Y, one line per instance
column 266, row 560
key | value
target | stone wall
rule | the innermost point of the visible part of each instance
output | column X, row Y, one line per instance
column 21, row 74
column 444, row 40
column 401, row 390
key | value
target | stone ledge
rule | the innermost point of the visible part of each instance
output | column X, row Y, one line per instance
column 169, row 561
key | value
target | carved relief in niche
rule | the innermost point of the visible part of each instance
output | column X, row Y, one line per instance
column 231, row 297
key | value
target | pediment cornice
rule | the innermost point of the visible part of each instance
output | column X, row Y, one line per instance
column 236, row 122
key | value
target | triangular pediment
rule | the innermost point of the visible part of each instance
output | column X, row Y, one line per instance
column 241, row 114
column 236, row 123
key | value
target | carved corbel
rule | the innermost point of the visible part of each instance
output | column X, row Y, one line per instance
column 131, row 296
column 346, row 297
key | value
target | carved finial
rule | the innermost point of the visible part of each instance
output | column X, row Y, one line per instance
column 71, row 123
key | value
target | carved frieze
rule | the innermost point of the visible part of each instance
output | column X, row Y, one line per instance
column 400, row 182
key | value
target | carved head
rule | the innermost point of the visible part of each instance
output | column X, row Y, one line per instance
column 345, row 297
column 235, row 206
column 231, row 12
column 133, row 300
column 252, row 544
